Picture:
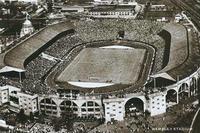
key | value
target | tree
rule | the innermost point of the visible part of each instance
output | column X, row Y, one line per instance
column 31, row 117
column 56, row 124
column 21, row 116
column 49, row 5
column 146, row 114
column 68, row 119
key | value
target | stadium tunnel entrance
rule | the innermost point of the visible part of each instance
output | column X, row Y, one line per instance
column 134, row 106
column 183, row 91
column 171, row 97
column 121, row 34
column 14, row 74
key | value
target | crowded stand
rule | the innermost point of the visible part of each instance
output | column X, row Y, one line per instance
column 39, row 67
column 61, row 46
column 107, row 29
column 36, row 69
column 30, row 46
column 88, row 31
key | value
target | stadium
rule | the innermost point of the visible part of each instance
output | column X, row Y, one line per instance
column 105, row 67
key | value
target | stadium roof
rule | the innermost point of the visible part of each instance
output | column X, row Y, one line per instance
column 178, row 47
column 183, row 54
column 18, row 55
column 164, row 75
column 10, row 69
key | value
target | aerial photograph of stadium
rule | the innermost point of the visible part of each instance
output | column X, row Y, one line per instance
column 99, row 66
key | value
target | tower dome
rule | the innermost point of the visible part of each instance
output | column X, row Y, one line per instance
column 27, row 23
column 27, row 27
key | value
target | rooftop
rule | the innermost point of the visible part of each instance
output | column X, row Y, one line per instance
column 18, row 55
column 107, row 8
column 183, row 56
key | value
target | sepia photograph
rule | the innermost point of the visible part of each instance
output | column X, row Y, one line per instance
column 99, row 66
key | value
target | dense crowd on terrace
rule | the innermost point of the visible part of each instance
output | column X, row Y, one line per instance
column 39, row 67
column 88, row 31
column 107, row 29
column 61, row 46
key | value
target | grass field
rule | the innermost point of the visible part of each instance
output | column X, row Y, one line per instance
column 105, row 65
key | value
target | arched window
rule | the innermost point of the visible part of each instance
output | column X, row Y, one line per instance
column 134, row 105
column 171, row 97
column 183, row 91
column 68, row 105
column 91, row 108
column 48, row 106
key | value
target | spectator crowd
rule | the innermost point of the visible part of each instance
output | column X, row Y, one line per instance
column 87, row 31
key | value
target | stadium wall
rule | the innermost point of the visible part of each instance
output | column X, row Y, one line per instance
column 156, row 103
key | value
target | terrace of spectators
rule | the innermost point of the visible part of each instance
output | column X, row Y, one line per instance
column 179, row 46
column 88, row 31
column 38, row 68
column 20, row 55
column 183, row 53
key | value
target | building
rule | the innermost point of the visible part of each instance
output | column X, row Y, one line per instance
column 27, row 27
column 152, row 99
column 111, row 108
column 72, row 9
column 30, row 1
column 114, row 109
column 13, row 99
column 4, row 95
column 112, row 11
column 102, row 2
column 109, row 2
column 28, row 102
column 18, row 100
column 157, row 103
column 55, row 105
column 26, row 1
column 178, row 18
column 104, row 9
